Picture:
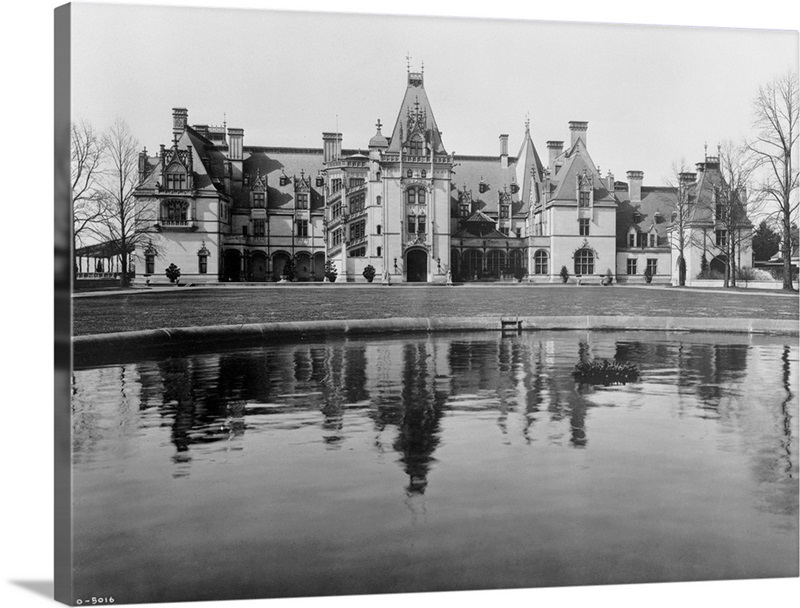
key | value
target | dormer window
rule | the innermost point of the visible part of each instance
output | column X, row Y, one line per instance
column 653, row 239
column 583, row 199
column 632, row 238
column 302, row 200
column 637, row 217
column 259, row 200
column 176, row 181
column 464, row 210
column 504, row 211
column 416, row 146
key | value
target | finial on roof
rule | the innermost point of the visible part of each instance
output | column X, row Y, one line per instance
column 408, row 62
column 527, row 121
column 302, row 174
column 422, row 67
column 378, row 124
column 719, row 150
column 705, row 150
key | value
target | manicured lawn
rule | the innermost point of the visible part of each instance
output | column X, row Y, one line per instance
column 226, row 306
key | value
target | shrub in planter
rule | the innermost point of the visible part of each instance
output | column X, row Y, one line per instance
column 369, row 273
column 564, row 274
column 330, row 271
column 173, row 273
column 519, row 273
column 648, row 275
column 289, row 270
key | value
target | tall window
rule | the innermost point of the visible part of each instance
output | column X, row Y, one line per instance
column 504, row 211
column 540, row 262
column 336, row 237
column 302, row 228
column 378, row 228
column 358, row 230
column 259, row 227
column 464, row 210
column 336, row 210
column 379, row 251
column 641, row 239
column 652, row 238
column 411, row 196
column 259, row 200
column 583, row 199
column 421, row 196
column 652, row 266
column 336, row 185
column 631, row 239
column 202, row 261
column 722, row 238
column 357, row 203
column 302, row 200
column 584, row 262
column 149, row 263
column 174, row 212
column 583, row 225
column 631, row 266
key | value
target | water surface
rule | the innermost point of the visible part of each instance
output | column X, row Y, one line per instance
column 454, row 461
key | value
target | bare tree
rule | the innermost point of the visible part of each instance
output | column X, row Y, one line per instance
column 85, row 170
column 681, row 217
column 732, row 209
column 122, row 219
column 777, row 112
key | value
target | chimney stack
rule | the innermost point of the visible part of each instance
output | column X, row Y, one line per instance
column 577, row 129
column 235, row 143
column 687, row 178
column 331, row 146
column 610, row 182
column 635, row 186
column 180, row 116
column 554, row 149
column 504, row 151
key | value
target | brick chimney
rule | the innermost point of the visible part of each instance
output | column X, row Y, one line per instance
column 504, row 151
column 235, row 143
column 577, row 129
column 331, row 146
column 635, row 186
column 554, row 148
column 180, row 116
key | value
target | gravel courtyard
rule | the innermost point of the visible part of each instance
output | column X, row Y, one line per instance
column 186, row 307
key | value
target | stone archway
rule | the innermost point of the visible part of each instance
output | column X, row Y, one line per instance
column 279, row 260
column 318, row 267
column 232, row 260
column 417, row 266
column 258, row 266
column 304, row 266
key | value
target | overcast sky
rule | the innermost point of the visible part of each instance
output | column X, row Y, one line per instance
column 651, row 94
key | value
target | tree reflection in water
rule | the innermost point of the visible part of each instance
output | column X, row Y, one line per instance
column 407, row 386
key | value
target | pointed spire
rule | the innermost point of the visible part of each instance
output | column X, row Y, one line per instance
column 527, row 123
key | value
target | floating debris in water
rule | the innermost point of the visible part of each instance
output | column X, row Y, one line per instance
column 605, row 372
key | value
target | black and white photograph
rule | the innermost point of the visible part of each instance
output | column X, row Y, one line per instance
column 359, row 304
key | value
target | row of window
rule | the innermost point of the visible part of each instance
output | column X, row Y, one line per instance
column 260, row 228
column 415, row 196
column 642, row 239
column 652, row 266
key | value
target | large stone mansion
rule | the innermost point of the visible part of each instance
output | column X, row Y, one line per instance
column 224, row 211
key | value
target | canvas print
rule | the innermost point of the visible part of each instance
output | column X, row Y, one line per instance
column 368, row 304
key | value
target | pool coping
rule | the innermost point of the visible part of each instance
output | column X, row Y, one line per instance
column 142, row 341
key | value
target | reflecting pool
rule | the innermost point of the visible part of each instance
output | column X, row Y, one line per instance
column 435, row 462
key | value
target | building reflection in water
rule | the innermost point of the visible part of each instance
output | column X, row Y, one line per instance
column 405, row 387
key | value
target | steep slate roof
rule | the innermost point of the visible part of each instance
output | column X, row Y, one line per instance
column 578, row 161
column 415, row 94
column 655, row 199
column 292, row 162
column 701, row 195
column 481, row 225
column 527, row 159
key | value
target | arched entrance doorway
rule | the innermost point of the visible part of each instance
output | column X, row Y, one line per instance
column 258, row 266
column 279, row 260
column 417, row 266
column 232, row 261
column 318, row 268
column 495, row 261
column 304, row 266
column 719, row 264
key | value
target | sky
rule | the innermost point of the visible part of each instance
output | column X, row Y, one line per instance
column 652, row 95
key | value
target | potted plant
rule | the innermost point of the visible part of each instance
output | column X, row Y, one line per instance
column 609, row 278
column 648, row 275
column 173, row 273
column 519, row 274
column 330, row 271
column 369, row 273
column 289, row 270
column 564, row 274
